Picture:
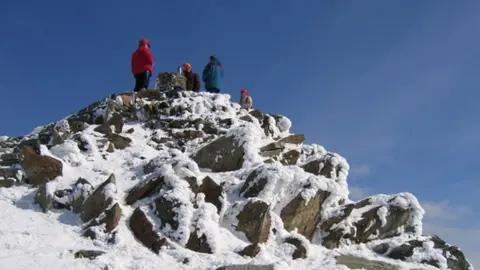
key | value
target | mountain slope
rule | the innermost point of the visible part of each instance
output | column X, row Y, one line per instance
column 191, row 181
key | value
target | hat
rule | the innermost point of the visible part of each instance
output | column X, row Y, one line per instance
column 144, row 41
column 187, row 66
column 244, row 92
column 213, row 57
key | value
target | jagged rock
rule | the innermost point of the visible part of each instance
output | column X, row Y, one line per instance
column 99, row 201
column 455, row 258
column 110, row 148
column 11, row 176
column 257, row 114
column 104, row 129
column 6, row 183
column 82, row 190
column 213, row 192
column 300, row 251
column 39, row 169
column 166, row 211
column 178, row 123
column 255, row 182
column 116, row 120
column 77, row 126
column 267, row 124
column 293, row 139
column 118, row 141
column 255, row 221
column 251, row 250
column 290, row 158
column 247, row 118
column 369, row 226
column 221, row 155
column 188, row 134
column 247, row 267
column 9, row 159
column 112, row 217
column 150, row 93
column 43, row 198
column 170, row 80
column 130, row 130
column 302, row 215
column 354, row 262
column 142, row 229
column 90, row 254
column 144, row 189
column 198, row 243
column 328, row 166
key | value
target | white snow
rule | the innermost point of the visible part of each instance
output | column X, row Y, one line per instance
column 31, row 239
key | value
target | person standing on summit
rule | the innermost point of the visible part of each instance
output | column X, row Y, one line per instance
column 142, row 65
column 193, row 80
column 213, row 75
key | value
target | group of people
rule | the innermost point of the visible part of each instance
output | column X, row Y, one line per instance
column 142, row 69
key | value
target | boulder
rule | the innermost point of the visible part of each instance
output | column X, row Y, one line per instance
column 142, row 229
column 167, row 81
column 327, row 166
column 9, row 159
column 39, row 169
column 90, row 254
column 290, row 158
column 251, row 250
column 43, row 198
column 198, row 243
column 354, row 262
column 222, row 155
column 167, row 212
column 255, row 221
column 304, row 215
column 214, row 193
column 300, row 250
column 119, row 141
column 247, row 267
column 11, row 176
column 112, row 217
column 255, row 182
column 368, row 225
column 100, row 200
column 144, row 189
column 293, row 139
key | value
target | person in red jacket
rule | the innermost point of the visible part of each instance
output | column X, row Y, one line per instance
column 142, row 65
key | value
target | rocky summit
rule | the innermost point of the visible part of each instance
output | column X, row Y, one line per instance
column 184, row 180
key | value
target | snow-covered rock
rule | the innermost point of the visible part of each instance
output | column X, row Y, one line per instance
column 194, row 181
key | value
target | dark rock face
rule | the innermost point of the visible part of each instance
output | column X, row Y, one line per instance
column 43, row 199
column 221, row 155
column 255, row 221
column 300, row 251
column 304, row 216
column 250, row 250
column 455, row 258
column 143, row 230
column 40, row 169
column 325, row 166
column 213, row 193
column 98, row 202
column 354, row 262
column 144, row 189
column 89, row 254
column 255, row 182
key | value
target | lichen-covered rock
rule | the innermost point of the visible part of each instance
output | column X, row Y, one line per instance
column 304, row 215
column 255, row 221
column 120, row 142
column 39, row 169
column 222, row 155
column 143, row 230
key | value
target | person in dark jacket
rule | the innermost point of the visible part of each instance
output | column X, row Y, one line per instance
column 142, row 65
column 213, row 75
column 193, row 80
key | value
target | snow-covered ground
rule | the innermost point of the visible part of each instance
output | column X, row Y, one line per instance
column 31, row 239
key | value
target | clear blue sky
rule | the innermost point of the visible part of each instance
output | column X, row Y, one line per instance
column 391, row 85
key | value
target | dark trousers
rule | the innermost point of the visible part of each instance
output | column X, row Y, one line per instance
column 142, row 80
column 213, row 90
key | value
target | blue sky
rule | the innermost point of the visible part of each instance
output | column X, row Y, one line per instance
column 390, row 85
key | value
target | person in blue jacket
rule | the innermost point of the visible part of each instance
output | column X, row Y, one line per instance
column 213, row 75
